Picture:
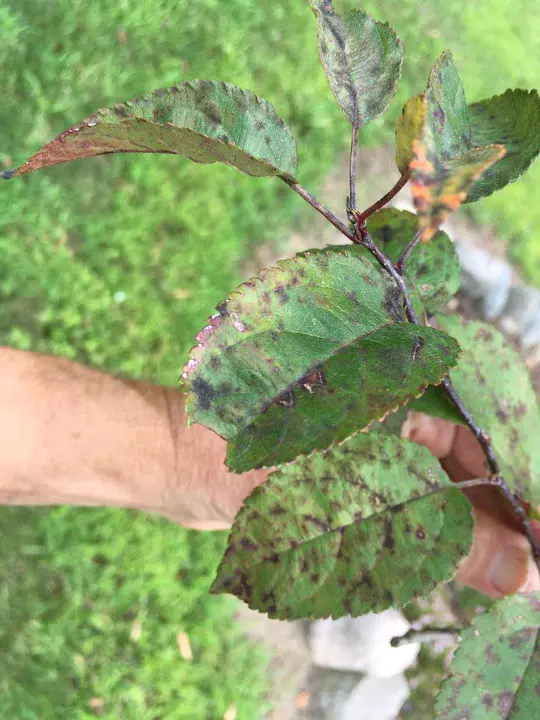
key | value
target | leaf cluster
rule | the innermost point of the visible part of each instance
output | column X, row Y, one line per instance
column 305, row 366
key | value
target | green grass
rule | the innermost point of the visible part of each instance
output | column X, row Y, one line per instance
column 117, row 262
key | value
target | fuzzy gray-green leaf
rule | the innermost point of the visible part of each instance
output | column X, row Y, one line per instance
column 495, row 672
column 366, row 526
column 306, row 354
column 204, row 121
column 361, row 58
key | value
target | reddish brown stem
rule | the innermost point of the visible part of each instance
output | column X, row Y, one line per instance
column 390, row 195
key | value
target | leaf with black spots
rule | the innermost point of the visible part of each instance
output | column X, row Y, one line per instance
column 366, row 526
column 306, row 354
column 495, row 672
column 494, row 382
column 432, row 272
column 204, row 121
column 512, row 120
column 409, row 127
column 439, row 187
column 361, row 58
column 448, row 116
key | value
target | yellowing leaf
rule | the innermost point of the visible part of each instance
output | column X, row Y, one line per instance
column 440, row 187
column 409, row 127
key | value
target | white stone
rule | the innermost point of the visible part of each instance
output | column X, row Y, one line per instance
column 376, row 698
column 363, row 644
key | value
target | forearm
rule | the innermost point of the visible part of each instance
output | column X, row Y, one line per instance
column 75, row 435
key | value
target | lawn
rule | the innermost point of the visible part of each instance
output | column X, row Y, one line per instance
column 117, row 262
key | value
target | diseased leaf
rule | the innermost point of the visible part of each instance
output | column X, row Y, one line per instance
column 432, row 272
column 306, row 354
column 204, row 121
column 361, row 58
column 409, row 127
column 363, row 527
column 448, row 116
column 494, row 383
column 439, row 188
column 495, row 672
column 435, row 403
column 512, row 120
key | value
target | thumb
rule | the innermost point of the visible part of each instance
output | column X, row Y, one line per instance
column 500, row 562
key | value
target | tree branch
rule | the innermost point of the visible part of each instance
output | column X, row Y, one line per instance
column 390, row 195
column 425, row 634
column 308, row 197
column 405, row 255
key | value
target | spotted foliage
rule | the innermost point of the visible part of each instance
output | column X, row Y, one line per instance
column 361, row 58
column 306, row 354
column 204, row 121
column 409, row 127
column 363, row 527
column 432, row 272
column 494, row 381
column 496, row 670
column 448, row 117
column 512, row 120
column 440, row 187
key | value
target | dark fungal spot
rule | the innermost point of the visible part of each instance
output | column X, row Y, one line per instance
column 388, row 541
column 420, row 534
column 215, row 363
column 222, row 308
column 505, row 701
column 286, row 399
column 283, row 297
column 392, row 303
column 520, row 410
column 247, row 544
column 277, row 510
column 353, row 297
column 418, row 344
column 204, row 393
column 487, row 701
column 312, row 381
column 315, row 577
column 268, row 139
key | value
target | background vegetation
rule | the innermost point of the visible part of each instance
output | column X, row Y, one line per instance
column 117, row 262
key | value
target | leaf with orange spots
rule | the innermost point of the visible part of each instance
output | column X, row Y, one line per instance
column 510, row 119
column 361, row 58
column 440, row 187
column 495, row 672
column 204, row 121
column 409, row 127
column 306, row 354
column 366, row 526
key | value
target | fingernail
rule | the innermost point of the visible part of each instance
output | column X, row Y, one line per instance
column 509, row 570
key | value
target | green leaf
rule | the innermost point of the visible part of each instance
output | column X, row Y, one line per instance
column 435, row 403
column 432, row 272
column 363, row 527
column 438, row 187
column 495, row 672
column 494, row 383
column 409, row 127
column 448, row 117
column 361, row 58
column 305, row 354
column 513, row 120
column 201, row 120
